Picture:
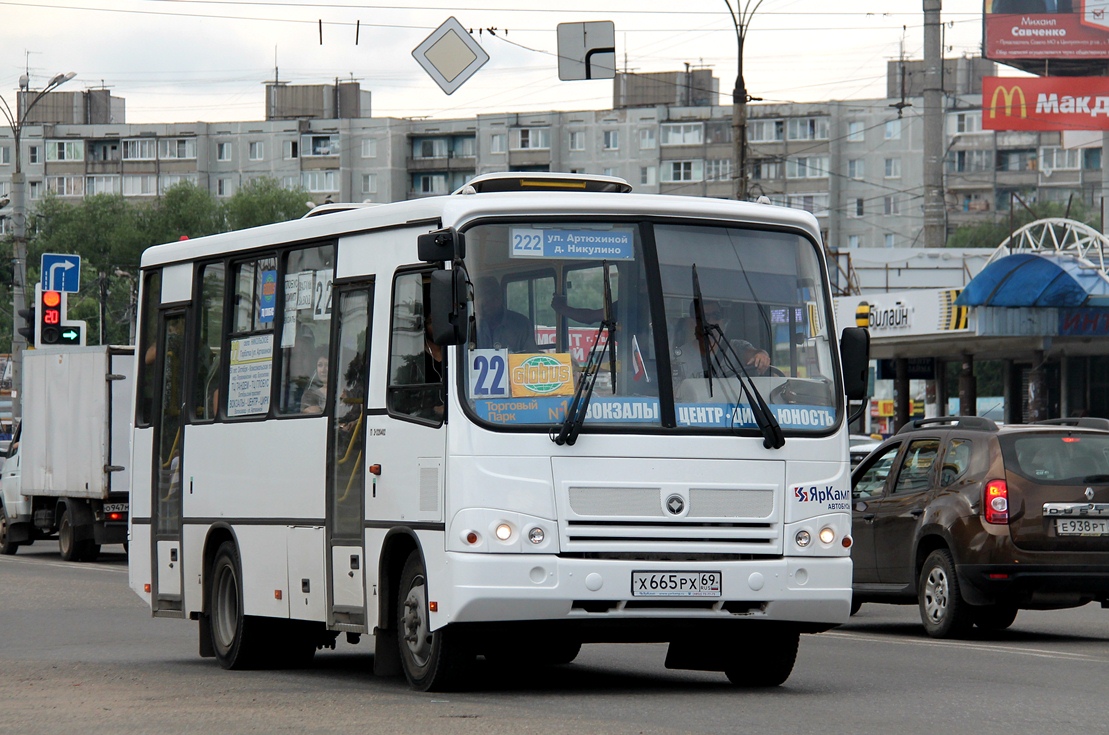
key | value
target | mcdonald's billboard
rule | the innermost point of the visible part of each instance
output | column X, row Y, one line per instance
column 1045, row 103
column 1046, row 29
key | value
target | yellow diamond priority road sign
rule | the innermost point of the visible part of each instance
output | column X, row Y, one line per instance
column 450, row 55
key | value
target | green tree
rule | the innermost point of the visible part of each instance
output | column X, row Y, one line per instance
column 992, row 234
column 262, row 201
column 184, row 211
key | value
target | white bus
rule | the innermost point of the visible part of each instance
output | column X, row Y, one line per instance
column 387, row 421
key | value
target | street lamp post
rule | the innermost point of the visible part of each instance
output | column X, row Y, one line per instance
column 16, row 120
column 741, row 19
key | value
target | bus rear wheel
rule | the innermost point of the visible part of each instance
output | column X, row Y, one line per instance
column 237, row 639
column 432, row 661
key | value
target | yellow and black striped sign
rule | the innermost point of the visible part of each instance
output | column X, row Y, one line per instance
column 952, row 317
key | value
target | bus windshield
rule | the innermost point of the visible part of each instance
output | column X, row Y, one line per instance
column 681, row 352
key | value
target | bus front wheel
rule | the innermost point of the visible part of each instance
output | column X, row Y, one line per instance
column 432, row 661
column 237, row 640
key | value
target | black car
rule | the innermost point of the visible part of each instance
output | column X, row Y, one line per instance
column 973, row 521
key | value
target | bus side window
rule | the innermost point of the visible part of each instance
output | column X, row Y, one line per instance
column 210, row 342
column 148, row 349
column 306, row 330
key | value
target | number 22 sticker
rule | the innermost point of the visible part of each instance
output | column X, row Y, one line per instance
column 489, row 373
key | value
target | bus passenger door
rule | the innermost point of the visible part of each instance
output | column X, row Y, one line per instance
column 346, row 481
column 168, row 420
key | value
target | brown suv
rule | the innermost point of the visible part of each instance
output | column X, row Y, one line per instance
column 974, row 521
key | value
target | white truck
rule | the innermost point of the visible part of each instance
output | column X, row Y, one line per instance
column 67, row 468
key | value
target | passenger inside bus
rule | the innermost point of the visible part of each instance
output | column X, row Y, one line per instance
column 689, row 354
column 498, row 327
column 314, row 398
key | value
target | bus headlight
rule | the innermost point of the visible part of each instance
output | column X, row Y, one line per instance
column 536, row 535
column 827, row 535
column 803, row 538
column 503, row 531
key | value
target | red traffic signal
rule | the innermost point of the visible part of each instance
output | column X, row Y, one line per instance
column 50, row 315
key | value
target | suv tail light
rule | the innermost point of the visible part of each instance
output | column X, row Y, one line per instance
column 995, row 502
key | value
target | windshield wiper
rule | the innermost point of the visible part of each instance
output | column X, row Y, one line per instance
column 579, row 404
column 718, row 352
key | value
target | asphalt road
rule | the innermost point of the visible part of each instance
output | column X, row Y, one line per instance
column 79, row 653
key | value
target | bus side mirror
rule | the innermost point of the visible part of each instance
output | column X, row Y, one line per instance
column 854, row 354
column 440, row 246
column 447, row 309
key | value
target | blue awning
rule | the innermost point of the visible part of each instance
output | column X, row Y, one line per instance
column 1033, row 279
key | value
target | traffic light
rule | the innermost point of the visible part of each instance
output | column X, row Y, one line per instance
column 30, row 326
column 50, row 313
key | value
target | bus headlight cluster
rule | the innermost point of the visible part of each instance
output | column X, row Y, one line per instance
column 503, row 531
column 803, row 538
column 536, row 535
column 827, row 535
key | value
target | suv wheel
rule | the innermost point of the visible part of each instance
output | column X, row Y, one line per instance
column 942, row 609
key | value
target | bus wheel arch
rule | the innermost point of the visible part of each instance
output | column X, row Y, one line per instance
column 436, row 660
column 398, row 545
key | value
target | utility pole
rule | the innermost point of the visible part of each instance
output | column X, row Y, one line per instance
column 741, row 19
column 935, row 208
column 16, row 121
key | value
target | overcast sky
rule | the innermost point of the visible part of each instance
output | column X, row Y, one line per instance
column 188, row 60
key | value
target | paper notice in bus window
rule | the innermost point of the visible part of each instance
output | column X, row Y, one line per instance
column 542, row 374
column 250, row 371
column 268, row 305
column 321, row 295
column 304, row 290
column 488, row 373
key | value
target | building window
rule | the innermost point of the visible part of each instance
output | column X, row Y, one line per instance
column 369, row 184
column 577, row 140
column 969, row 161
column 854, row 241
column 1023, row 160
column 224, row 187
column 65, row 150
column 857, row 208
column 5, row 155
column 290, row 149
column 681, row 134
column 140, row 185
column 766, row 170
column 893, row 168
column 497, row 143
column 429, row 184
column 168, row 181
column 369, row 148
column 856, row 169
column 808, row 128
column 177, row 149
column 533, row 139
column 891, row 240
column 223, row 151
column 610, row 140
column 33, row 155
column 893, row 130
column 609, row 171
column 807, row 167
column 256, row 151
column 465, row 147
column 66, row 186
column 291, row 182
column 144, row 149
column 648, row 175
column 718, row 169
column 968, row 122
column 317, row 146
column 647, row 141
column 1060, row 159
column 35, row 188
column 102, row 185
column 891, row 205
column 1091, row 159
column 682, row 171
column 856, row 131
column 766, row 131
column 424, row 148
column 318, row 181
column 815, row 203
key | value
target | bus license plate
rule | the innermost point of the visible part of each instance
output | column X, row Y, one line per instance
column 676, row 584
column 1082, row 526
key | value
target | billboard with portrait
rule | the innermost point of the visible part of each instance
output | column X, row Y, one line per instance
column 1070, row 30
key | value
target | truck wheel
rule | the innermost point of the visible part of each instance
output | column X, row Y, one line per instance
column 7, row 546
column 237, row 639
column 67, row 542
column 765, row 660
column 432, row 661
column 942, row 609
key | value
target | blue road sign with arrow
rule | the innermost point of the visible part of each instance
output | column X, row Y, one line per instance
column 61, row 272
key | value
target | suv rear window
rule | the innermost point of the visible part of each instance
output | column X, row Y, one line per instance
column 1057, row 457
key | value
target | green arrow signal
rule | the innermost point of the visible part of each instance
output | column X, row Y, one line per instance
column 69, row 335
